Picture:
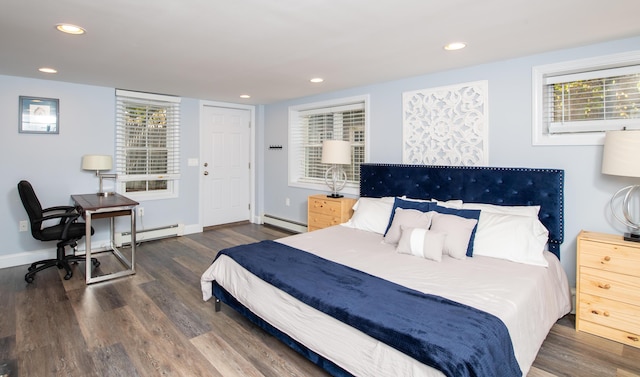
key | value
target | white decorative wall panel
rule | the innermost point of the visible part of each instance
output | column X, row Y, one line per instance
column 446, row 125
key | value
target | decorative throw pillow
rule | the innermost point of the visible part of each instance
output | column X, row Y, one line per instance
column 371, row 214
column 407, row 218
column 467, row 214
column 422, row 243
column 458, row 230
column 519, row 239
column 408, row 204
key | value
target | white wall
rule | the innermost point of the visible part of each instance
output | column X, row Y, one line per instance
column 52, row 162
column 510, row 120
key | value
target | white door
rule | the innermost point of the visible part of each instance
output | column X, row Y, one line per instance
column 225, row 165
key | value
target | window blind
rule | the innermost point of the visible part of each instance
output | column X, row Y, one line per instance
column 147, row 137
column 592, row 101
column 313, row 126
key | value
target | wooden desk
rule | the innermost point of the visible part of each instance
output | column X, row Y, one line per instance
column 93, row 206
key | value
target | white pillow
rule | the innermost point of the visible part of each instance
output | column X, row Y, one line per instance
column 516, row 238
column 531, row 211
column 407, row 218
column 371, row 214
column 422, row 243
column 454, row 203
column 458, row 231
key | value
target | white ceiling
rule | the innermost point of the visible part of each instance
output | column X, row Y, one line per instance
column 217, row 50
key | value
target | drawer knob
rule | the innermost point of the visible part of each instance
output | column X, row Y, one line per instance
column 606, row 314
column 604, row 286
column 634, row 338
column 607, row 258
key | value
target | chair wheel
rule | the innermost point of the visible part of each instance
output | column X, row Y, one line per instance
column 68, row 276
column 28, row 278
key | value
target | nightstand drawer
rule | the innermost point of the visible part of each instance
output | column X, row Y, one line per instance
column 615, row 258
column 611, row 285
column 610, row 333
column 609, row 313
column 318, row 205
column 319, row 221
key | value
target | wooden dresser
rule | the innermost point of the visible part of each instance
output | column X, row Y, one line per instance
column 323, row 211
column 608, row 287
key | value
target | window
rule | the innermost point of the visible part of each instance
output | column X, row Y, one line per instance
column 574, row 103
column 147, row 144
column 311, row 124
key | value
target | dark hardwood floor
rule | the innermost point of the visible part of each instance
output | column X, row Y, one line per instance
column 155, row 323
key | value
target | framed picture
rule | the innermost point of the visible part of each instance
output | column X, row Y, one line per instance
column 39, row 115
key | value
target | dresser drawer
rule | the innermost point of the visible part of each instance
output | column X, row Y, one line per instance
column 609, row 284
column 609, row 313
column 616, row 258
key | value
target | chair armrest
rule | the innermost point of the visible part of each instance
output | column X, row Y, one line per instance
column 59, row 208
column 64, row 217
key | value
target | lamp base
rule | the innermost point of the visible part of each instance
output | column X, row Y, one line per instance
column 335, row 196
column 632, row 237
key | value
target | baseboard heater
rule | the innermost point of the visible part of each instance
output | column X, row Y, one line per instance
column 142, row 235
column 284, row 223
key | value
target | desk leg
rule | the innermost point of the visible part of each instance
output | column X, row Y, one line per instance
column 87, row 236
column 133, row 239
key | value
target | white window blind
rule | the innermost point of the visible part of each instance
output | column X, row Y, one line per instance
column 311, row 126
column 147, row 141
column 592, row 101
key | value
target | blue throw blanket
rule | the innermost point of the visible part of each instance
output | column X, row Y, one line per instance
column 454, row 338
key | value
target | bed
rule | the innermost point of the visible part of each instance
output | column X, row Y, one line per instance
column 503, row 288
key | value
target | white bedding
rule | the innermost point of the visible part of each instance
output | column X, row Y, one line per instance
column 528, row 299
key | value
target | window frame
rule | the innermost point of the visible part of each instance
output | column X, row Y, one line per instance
column 295, row 152
column 173, row 159
column 540, row 134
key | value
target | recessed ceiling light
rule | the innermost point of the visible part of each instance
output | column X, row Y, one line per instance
column 317, row 80
column 70, row 29
column 455, row 46
column 47, row 70
column 245, row 96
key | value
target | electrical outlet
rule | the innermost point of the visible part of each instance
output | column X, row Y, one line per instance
column 23, row 225
column 140, row 211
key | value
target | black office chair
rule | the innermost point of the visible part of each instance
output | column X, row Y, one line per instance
column 67, row 231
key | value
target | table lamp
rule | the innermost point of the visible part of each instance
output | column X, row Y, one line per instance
column 97, row 163
column 621, row 156
column 336, row 153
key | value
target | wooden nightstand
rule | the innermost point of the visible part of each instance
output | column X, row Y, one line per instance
column 608, row 287
column 323, row 211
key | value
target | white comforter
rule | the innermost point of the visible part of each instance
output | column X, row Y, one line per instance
column 528, row 299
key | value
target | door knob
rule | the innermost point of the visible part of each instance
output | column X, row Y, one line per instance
column 206, row 164
column 206, row 173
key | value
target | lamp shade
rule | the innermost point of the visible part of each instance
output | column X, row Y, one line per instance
column 621, row 154
column 336, row 152
column 97, row 162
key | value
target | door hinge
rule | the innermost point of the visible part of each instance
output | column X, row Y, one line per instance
column 249, row 206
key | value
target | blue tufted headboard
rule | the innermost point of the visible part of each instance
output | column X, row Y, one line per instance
column 492, row 185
